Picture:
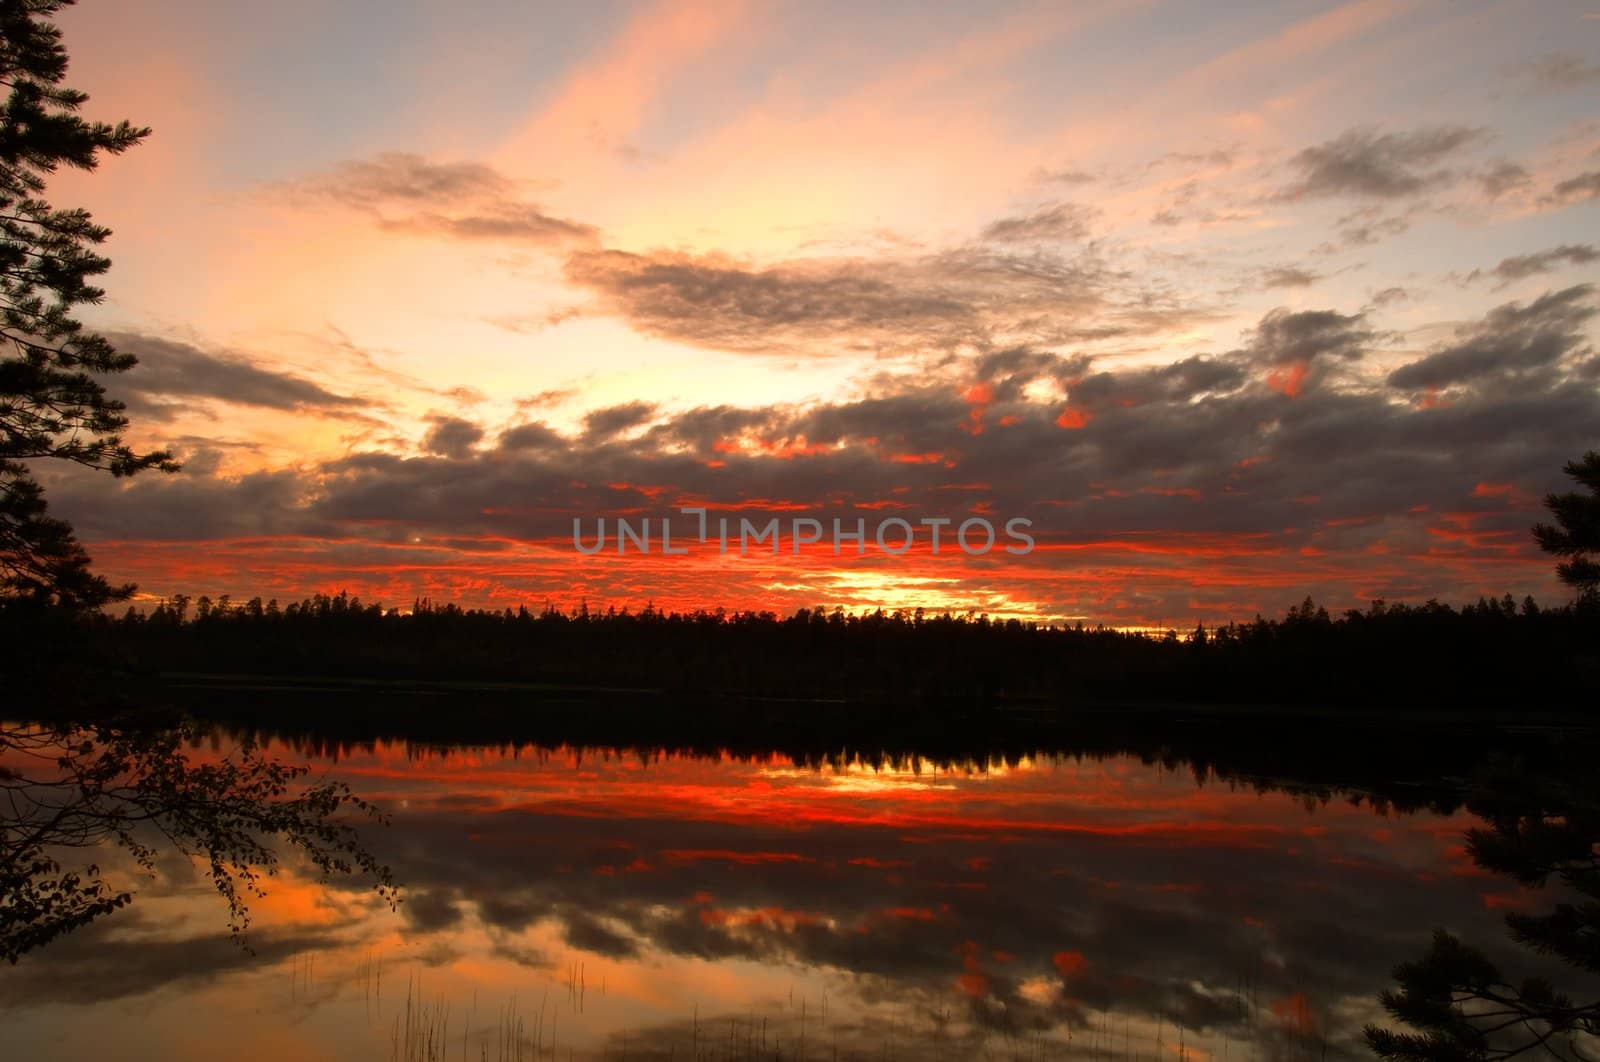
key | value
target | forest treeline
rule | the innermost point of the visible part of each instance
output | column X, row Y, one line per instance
column 1495, row 653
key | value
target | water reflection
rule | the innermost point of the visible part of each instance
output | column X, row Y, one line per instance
column 1457, row 1001
column 586, row 904
column 75, row 795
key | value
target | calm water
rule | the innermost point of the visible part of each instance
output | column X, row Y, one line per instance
column 567, row 905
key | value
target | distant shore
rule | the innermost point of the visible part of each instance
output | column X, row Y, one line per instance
column 1496, row 659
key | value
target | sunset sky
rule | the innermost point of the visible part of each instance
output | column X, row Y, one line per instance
column 1237, row 303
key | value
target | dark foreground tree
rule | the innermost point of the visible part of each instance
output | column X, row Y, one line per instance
column 70, row 787
column 96, row 785
column 1576, row 534
column 52, row 403
column 1462, row 1007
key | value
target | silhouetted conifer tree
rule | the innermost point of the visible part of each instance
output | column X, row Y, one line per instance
column 1578, row 537
column 52, row 403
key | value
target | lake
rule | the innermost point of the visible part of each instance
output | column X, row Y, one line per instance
column 583, row 904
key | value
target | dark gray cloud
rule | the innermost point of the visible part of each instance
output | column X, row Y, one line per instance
column 1283, row 336
column 603, row 423
column 532, row 436
column 1502, row 176
column 1059, row 221
column 703, row 427
column 1391, row 295
column 170, row 369
column 193, row 505
column 451, row 436
column 431, row 910
column 406, row 192
column 1522, row 266
column 1288, row 277
column 398, row 176
column 1579, row 189
column 1166, row 386
column 1369, row 164
column 726, row 304
column 1363, row 228
column 1511, row 341
column 1009, row 372
column 843, row 304
column 597, row 935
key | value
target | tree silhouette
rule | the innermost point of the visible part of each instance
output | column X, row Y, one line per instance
column 77, row 784
column 1578, row 537
column 1462, row 1005
column 93, row 785
column 52, row 403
